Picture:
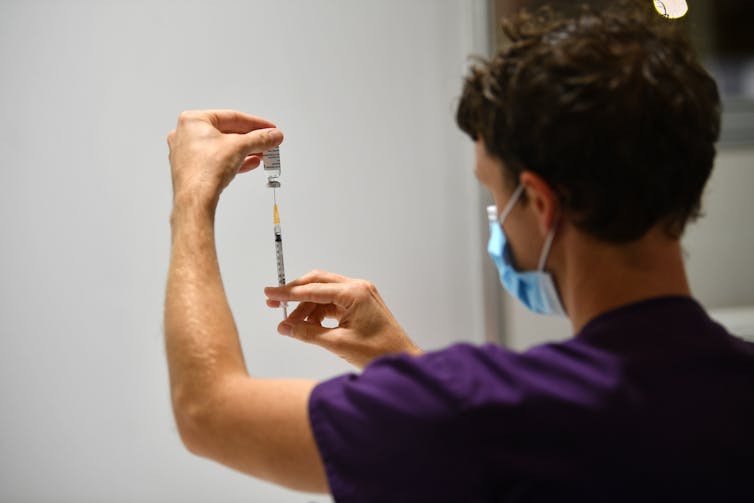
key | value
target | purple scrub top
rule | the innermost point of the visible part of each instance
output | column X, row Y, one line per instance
column 649, row 402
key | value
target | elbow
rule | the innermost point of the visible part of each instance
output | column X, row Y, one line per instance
column 192, row 422
column 190, row 436
column 201, row 416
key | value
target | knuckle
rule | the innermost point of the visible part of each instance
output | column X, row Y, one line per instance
column 312, row 276
column 359, row 290
column 367, row 287
column 186, row 116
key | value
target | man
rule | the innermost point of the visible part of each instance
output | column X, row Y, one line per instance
column 595, row 136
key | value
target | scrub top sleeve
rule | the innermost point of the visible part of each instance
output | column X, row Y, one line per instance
column 392, row 431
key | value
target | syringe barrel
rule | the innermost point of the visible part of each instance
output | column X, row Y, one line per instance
column 279, row 256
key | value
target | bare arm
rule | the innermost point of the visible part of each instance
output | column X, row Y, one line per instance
column 258, row 426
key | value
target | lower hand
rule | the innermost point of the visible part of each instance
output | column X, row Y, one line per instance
column 208, row 148
column 366, row 327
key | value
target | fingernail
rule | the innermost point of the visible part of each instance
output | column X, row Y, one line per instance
column 285, row 329
column 274, row 135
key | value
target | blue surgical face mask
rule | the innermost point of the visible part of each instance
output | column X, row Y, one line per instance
column 535, row 289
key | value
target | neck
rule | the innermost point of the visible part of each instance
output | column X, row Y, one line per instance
column 596, row 277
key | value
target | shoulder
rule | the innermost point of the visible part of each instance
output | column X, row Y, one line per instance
column 405, row 418
column 465, row 376
column 385, row 433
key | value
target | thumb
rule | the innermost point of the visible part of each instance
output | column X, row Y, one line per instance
column 313, row 333
column 260, row 140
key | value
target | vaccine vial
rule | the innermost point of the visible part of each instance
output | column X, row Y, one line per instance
column 271, row 160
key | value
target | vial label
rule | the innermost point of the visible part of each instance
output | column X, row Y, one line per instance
column 271, row 160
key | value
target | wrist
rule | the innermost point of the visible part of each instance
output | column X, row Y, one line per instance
column 191, row 213
column 192, row 206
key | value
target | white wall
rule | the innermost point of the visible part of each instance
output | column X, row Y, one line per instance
column 720, row 246
column 377, row 183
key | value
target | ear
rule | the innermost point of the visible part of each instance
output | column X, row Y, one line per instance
column 542, row 199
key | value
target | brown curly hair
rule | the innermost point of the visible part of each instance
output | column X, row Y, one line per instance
column 610, row 107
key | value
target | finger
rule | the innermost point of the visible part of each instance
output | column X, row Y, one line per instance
column 251, row 162
column 318, row 314
column 320, row 293
column 297, row 315
column 273, row 303
column 302, row 311
column 313, row 333
column 326, row 312
column 317, row 276
column 320, row 276
column 260, row 140
column 232, row 121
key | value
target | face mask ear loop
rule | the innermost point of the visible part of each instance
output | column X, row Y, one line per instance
column 546, row 249
column 511, row 203
column 548, row 244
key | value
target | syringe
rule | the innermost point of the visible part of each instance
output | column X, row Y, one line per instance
column 279, row 253
column 272, row 171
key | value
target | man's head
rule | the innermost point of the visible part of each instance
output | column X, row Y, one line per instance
column 610, row 108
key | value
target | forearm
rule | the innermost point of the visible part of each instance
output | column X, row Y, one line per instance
column 200, row 334
column 258, row 426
